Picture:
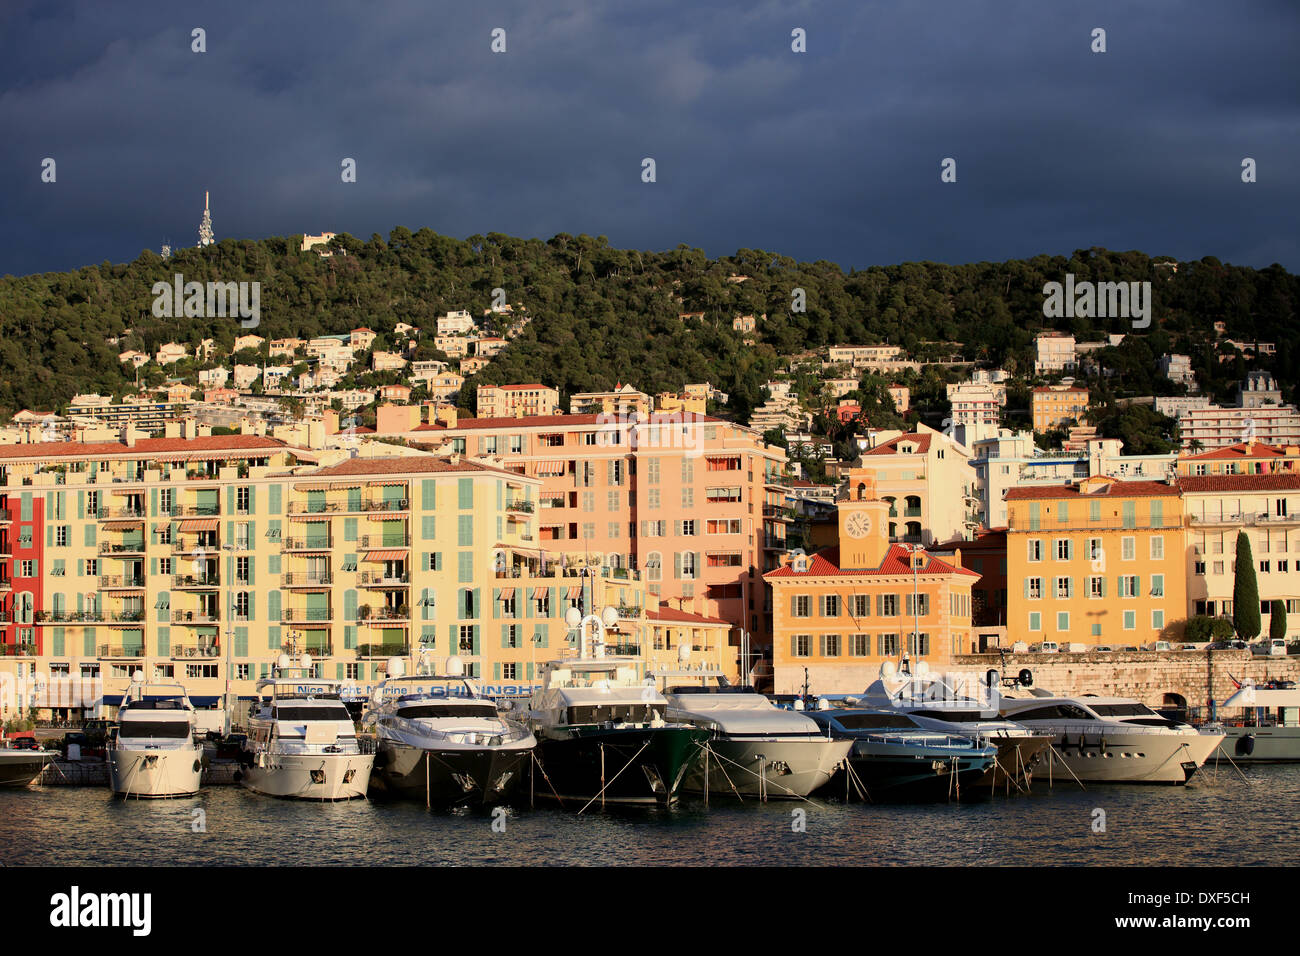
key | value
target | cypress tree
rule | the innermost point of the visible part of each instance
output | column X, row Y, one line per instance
column 1277, row 620
column 1245, row 592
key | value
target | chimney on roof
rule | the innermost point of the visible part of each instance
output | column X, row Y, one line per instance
column 128, row 436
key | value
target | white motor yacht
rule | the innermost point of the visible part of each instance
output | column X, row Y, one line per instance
column 1263, row 725
column 438, row 738
column 153, row 752
column 1112, row 739
column 302, row 743
column 755, row 748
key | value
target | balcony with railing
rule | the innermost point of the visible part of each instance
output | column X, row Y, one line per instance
column 377, row 541
column 1261, row 518
column 194, row 511
column 316, row 648
column 383, row 650
column 122, row 650
column 93, row 616
column 6, row 584
column 196, row 616
column 122, row 547
column 304, row 579
column 202, row 650
column 20, row 649
column 384, row 579
column 210, row 580
column 120, row 581
column 307, row 615
column 322, row 542
column 521, row 505
column 385, row 505
column 125, row 513
column 383, row 614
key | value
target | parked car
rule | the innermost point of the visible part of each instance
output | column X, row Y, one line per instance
column 1103, row 649
column 1226, row 646
column 1159, row 646
column 1191, row 647
column 1130, row 647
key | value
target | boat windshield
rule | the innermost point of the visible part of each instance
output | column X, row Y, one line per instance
column 170, row 729
column 1124, row 710
column 417, row 711
column 325, row 712
column 1053, row 712
column 618, row 713
column 873, row 721
column 952, row 716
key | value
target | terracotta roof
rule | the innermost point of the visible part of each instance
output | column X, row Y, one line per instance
column 826, row 564
column 411, row 464
column 1259, row 450
column 671, row 614
column 1059, row 390
column 922, row 443
column 1116, row 489
column 143, row 447
column 503, row 387
column 1199, row 483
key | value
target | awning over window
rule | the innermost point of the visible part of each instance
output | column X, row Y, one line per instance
column 539, row 594
column 575, row 592
column 122, row 525
column 388, row 554
column 199, row 524
column 507, row 594
column 549, row 469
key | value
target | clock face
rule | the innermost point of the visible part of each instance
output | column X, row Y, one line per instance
column 858, row 525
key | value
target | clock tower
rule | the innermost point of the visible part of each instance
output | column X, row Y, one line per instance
column 863, row 522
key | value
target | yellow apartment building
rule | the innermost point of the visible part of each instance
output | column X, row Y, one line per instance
column 1098, row 561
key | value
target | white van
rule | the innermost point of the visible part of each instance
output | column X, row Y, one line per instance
column 1159, row 646
column 1269, row 647
column 1046, row 647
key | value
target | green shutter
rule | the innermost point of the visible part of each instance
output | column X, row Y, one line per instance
column 81, row 504
column 57, row 642
column 273, row 640
column 164, row 641
column 273, row 605
column 428, row 527
column 350, row 529
column 273, row 494
column 428, row 494
column 90, row 534
column 465, row 493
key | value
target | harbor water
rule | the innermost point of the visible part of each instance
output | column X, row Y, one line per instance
column 1218, row 819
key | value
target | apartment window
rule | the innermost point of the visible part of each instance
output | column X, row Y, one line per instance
column 1096, row 587
column 654, row 566
column 1198, row 567
column 1282, row 567
column 201, row 670
column 241, row 570
column 1130, row 620
column 241, row 500
column 1035, row 549
column 802, row 645
column 1157, row 585
column 1062, row 620
column 830, row 605
column 859, row 645
column 862, row 605
column 1218, row 567
column 1158, row 620
column 801, row 606
column 1035, row 621
column 516, row 444
column 1064, row 549
column 243, row 671
column 888, row 605
column 918, row 604
column 688, row 497
column 61, row 536
column 243, row 536
column 1128, row 585
column 612, row 501
column 688, row 564
column 588, row 501
column 512, row 635
column 652, row 498
column 92, row 567
column 542, row 602
column 27, row 569
column 465, row 640
column 1158, row 548
column 510, row 671
column 887, row 645
column 1094, row 549
column 1128, row 548
column 830, row 645
column 918, row 644
column 1034, row 588
column 1064, row 586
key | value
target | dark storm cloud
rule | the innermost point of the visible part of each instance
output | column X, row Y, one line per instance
column 830, row 154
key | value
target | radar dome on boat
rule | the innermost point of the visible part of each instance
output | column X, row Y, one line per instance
column 455, row 666
column 823, row 704
column 798, row 704
column 921, row 668
column 284, row 660
column 306, row 660
column 609, row 615
column 573, row 617
column 888, row 669
column 137, row 677
column 396, row 667
column 683, row 653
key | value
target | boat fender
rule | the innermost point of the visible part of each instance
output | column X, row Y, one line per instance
column 198, row 765
column 207, row 761
column 1245, row 745
column 1026, row 677
column 238, row 776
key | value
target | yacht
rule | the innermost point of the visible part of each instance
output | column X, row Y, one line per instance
column 1267, row 729
column 21, row 765
column 440, row 739
column 755, row 749
column 895, row 758
column 301, row 741
column 153, row 752
column 969, row 709
column 1112, row 739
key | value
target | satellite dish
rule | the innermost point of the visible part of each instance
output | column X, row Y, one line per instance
column 137, row 677
column 609, row 615
column 683, row 653
column 455, row 666
column 306, row 660
column 573, row 617
column 284, row 661
column 396, row 667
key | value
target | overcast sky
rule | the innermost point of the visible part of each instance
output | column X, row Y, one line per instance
column 829, row 154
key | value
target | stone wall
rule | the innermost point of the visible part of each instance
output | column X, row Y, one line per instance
column 1146, row 676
